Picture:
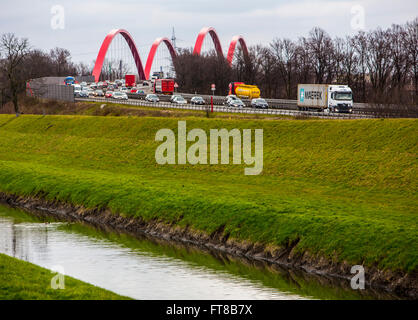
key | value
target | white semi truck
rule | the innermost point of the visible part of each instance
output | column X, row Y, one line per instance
column 325, row 97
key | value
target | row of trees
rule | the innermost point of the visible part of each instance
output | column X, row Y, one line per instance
column 381, row 65
column 19, row 63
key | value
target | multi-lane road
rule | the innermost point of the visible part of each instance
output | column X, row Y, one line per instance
column 276, row 107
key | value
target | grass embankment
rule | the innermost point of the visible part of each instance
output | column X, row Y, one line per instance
column 21, row 280
column 346, row 189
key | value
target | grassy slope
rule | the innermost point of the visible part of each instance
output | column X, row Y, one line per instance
column 21, row 280
column 347, row 189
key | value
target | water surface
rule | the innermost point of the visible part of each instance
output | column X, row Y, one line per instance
column 144, row 268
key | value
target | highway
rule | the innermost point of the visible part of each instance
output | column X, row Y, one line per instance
column 277, row 107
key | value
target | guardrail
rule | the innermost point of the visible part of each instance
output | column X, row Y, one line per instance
column 285, row 104
column 225, row 109
column 367, row 109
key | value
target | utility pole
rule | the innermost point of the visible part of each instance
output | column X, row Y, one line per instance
column 110, row 72
column 174, row 39
column 120, row 69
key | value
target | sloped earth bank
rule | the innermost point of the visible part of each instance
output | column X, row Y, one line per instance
column 397, row 284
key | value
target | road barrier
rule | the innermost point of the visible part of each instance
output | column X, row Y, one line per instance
column 367, row 109
column 226, row 109
column 50, row 91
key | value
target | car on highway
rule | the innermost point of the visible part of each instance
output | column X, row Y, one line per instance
column 198, row 101
column 179, row 100
column 229, row 98
column 93, row 86
column 99, row 93
column 259, row 103
column 136, row 91
column 83, row 93
column 77, row 90
column 152, row 98
column 83, row 84
column 235, row 103
column 124, row 89
column 120, row 96
column 109, row 94
column 174, row 96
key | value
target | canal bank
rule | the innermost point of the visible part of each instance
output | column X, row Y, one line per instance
column 332, row 195
column 21, row 280
column 333, row 280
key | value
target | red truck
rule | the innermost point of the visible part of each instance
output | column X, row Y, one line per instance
column 164, row 86
column 130, row 80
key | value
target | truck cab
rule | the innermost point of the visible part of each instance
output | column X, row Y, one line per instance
column 340, row 99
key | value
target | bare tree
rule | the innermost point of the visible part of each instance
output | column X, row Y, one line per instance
column 14, row 51
column 61, row 59
column 350, row 61
column 411, row 46
column 112, row 69
column 196, row 73
column 338, row 57
column 268, row 71
column 399, row 57
column 304, row 72
column 361, row 46
column 320, row 48
column 83, row 69
column 285, row 52
column 38, row 64
column 379, row 62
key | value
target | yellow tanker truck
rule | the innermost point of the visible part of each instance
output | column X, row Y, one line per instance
column 244, row 91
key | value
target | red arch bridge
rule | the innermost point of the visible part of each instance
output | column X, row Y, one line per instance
column 144, row 74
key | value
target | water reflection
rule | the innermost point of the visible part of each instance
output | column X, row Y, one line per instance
column 145, row 268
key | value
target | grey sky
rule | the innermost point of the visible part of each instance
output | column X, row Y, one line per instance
column 88, row 22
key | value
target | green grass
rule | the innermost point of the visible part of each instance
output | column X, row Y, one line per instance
column 21, row 280
column 346, row 189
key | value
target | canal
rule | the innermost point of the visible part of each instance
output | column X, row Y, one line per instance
column 145, row 268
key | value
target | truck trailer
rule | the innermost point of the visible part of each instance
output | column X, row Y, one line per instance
column 130, row 80
column 244, row 91
column 325, row 97
column 164, row 86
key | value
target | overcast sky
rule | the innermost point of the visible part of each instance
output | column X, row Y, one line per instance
column 88, row 22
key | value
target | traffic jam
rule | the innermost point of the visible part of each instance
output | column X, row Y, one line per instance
column 311, row 97
column 158, row 90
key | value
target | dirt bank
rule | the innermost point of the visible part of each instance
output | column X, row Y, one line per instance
column 403, row 285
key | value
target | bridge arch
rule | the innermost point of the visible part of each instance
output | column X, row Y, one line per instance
column 105, row 46
column 201, row 37
column 153, row 51
column 232, row 47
